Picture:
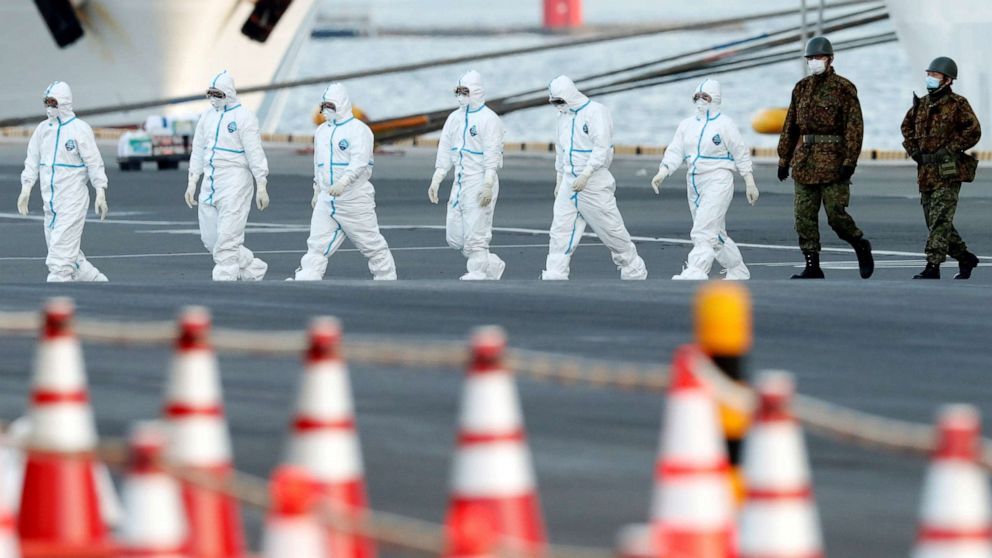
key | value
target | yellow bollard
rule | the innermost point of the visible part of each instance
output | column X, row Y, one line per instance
column 724, row 333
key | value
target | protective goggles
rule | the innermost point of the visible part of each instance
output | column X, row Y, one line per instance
column 557, row 102
column 51, row 102
column 704, row 96
column 327, row 105
column 215, row 93
column 462, row 90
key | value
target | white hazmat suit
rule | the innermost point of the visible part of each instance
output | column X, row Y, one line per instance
column 585, row 192
column 62, row 156
column 344, row 204
column 227, row 153
column 471, row 142
column 711, row 145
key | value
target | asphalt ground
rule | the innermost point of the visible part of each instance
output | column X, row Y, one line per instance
column 889, row 345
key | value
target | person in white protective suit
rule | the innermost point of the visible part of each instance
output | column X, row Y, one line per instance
column 712, row 146
column 584, row 190
column 343, row 198
column 227, row 153
column 62, row 156
column 472, row 142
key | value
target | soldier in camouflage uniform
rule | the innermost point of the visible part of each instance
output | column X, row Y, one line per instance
column 937, row 130
column 821, row 142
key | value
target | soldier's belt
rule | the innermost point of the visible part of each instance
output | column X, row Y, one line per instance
column 810, row 139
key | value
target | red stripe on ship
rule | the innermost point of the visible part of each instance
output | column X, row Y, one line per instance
column 54, row 397
column 477, row 438
column 306, row 424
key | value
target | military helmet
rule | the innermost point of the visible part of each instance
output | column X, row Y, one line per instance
column 944, row 65
column 819, row 46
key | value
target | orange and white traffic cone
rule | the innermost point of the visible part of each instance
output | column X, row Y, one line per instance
column 693, row 508
column 154, row 521
column 494, row 503
column 292, row 529
column 60, row 508
column 955, row 520
column 199, row 443
column 325, row 442
column 779, row 518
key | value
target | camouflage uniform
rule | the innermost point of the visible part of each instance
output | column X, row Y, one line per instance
column 941, row 121
column 827, row 106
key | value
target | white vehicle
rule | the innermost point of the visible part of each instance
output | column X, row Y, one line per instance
column 163, row 140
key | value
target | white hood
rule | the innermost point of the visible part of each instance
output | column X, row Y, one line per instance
column 562, row 87
column 60, row 91
column 712, row 88
column 476, row 93
column 225, row 82
column 337, row 93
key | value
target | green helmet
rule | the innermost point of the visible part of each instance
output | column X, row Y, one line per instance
column 819, row 46
column 944, row 65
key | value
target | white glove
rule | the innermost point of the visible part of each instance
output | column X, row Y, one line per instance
column 316, row 194
column 557, row 184
column 486, row 195
column 580, row 181
column 261, row 195
column 22, row 200
column 338, row 187
column 191, row 191
column 101, row 203
column 439, row 175
column 658, row 179
column 751, row 190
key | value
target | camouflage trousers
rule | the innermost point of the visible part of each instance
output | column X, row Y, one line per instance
column 939, row 205
column 835, row 198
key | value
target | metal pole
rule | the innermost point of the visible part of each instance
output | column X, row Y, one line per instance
column 803, row 32
column 819, row 21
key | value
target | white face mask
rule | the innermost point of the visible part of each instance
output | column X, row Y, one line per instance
column 328, row 114
column 217, row 103
column 702, row 106
column 816, row 67
column 462, row 100
column 52, row 112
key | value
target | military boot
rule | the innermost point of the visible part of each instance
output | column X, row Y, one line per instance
column 866, row 263
column 966, row 263
column 812, row 270
column 931, row 271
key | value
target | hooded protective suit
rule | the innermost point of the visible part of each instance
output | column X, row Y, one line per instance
column 345, row 204
column 227, row 152
column 583, row 155
column 712, row 146
column 472, row 142
column 63, row 156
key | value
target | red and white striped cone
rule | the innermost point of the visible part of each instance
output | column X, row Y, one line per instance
column 693, row 508
column 779, row 518
column 955, row 520
column 154, row 521
column 292, row 529
column 60, row 508
column 324, row 441
column 199, row 442
column 494, row 503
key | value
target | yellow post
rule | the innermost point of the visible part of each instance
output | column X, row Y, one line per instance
column 724, row 333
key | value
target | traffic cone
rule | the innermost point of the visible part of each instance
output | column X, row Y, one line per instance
column 154, row 521
column 693, row 509
column 199, row 444
column 324, row 441
column 779, row 517
column 494, row 504
column 292, row 530
column 60, row 509
column 955, row 521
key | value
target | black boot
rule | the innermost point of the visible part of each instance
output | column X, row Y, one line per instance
column 866, row 263
column 966, row 263
column 931, row 271
column 812, row 270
